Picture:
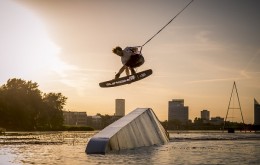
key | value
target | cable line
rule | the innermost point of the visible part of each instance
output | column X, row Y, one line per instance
column 166, row 24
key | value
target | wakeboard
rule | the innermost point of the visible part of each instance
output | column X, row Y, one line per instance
column 126, row 80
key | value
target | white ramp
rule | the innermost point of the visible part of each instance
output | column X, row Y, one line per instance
column 139, row 128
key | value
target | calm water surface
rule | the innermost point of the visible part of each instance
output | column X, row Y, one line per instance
column 190, row 147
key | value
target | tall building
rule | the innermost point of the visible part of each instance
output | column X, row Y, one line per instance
column 204, row 115
column 256, row 112
column 120, row 107
column 177, row 111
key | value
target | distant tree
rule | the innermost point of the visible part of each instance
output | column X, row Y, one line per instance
column 165, row 124
column 20, row 103
column 198, row 121
column 23, row 107
column 54, row 103
column 105, row 120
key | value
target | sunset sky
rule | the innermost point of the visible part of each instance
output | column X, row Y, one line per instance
column 66, row 46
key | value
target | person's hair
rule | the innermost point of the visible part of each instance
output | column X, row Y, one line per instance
column 117, row 48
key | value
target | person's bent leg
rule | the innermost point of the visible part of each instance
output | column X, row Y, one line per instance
column 127, row 71
column 132, row 71
column 120, row 71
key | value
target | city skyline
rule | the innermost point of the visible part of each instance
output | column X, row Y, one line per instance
column 204, row 114
column 66, row 46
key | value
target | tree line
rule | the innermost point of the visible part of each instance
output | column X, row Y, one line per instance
column 23, row 107
column 199, row 125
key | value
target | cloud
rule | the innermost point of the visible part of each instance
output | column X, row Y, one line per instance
column 252, row 59
column 210, row 80
column 242, row 75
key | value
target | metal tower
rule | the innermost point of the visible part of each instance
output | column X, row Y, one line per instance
column 230, row 130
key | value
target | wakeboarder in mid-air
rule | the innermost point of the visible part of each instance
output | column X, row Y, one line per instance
column 132, row 58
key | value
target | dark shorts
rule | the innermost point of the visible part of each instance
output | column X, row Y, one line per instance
column 135, row 61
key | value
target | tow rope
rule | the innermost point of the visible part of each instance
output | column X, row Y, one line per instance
column 166, row 25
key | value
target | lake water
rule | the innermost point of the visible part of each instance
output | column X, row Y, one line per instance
column 190, row 147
